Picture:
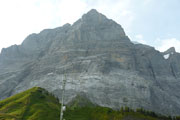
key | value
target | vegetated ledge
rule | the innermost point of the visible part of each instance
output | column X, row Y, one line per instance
column 38, row 104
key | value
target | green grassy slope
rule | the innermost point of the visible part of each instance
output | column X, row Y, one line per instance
column 38, row 104
column 33, row 104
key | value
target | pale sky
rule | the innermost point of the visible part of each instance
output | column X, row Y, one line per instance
column 152, row 22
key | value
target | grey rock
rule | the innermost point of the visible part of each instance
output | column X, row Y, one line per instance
column 171, row 50
column 173, row 60
column 99, row 60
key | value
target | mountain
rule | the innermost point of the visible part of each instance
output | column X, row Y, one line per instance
column 38, row 104
column 99, row 60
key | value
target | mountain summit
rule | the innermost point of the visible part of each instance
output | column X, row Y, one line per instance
column 94, row 17
column 99, row 60
column 93, row 14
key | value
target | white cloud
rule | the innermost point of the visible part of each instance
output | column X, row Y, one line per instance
column 146, row 2
column 23, row 17
column 139, row 38
column 165, row 44
column 71, row 10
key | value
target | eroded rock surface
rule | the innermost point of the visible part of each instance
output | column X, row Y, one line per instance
column 99, row 60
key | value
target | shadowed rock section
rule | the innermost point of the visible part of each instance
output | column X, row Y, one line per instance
column 99, row 60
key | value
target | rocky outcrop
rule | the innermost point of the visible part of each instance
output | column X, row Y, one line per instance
column 99, row 60
column 173, row 59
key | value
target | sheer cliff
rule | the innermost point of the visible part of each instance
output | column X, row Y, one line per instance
column 99, row 60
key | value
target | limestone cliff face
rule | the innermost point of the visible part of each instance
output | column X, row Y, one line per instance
column 99, row 60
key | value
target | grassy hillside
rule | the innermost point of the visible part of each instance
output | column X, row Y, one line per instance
column 33, row 104
column 38, row 104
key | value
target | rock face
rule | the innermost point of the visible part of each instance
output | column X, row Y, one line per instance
column 99, row 60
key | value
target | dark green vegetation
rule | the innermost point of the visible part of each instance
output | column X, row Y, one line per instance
column 79, row 111
column 38, row 104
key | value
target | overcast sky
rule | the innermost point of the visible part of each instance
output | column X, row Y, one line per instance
column 152, row 22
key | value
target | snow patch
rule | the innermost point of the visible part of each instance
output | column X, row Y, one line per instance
column 50, row 73
column 166, row 56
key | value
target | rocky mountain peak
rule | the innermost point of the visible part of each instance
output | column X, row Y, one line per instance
column 93, row 16
column 96, row 24
column 170, row 50
column 93, row 11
